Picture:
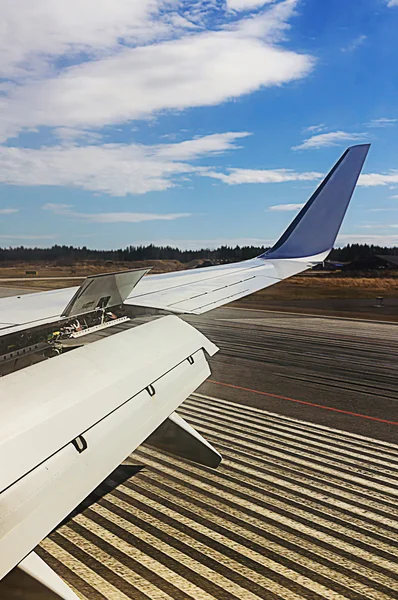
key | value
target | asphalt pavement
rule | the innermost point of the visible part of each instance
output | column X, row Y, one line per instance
column 313, row 368
column 304, row 504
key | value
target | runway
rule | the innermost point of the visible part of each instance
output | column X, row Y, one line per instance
column 346, row 365
column 304, row 504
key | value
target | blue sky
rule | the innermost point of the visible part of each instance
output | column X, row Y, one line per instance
column 192, row 123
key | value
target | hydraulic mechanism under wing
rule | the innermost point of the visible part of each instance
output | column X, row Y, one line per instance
column 68, row 421
column 177, row 437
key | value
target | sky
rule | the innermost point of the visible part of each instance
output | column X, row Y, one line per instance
column 192, row 123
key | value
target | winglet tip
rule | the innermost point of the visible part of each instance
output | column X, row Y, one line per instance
column 355, row 146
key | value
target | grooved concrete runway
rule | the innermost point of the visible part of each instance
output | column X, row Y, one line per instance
column 303, row 504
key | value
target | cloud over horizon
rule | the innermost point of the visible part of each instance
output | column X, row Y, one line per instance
column 8, row 211
column 66, row 210
column 114, row 169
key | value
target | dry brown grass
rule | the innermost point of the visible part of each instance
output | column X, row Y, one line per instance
column 87, row 268
column 313, row 288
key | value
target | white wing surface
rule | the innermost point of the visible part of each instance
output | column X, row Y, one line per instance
column 200, row 290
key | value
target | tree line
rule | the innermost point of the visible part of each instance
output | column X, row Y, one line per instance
column 70, row 254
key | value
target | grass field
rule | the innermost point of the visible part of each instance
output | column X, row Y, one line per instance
column 351, row 297
column 315, row 287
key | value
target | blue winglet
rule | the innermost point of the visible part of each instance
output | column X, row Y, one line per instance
column 315, row 228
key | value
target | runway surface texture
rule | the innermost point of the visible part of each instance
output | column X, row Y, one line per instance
column 304, row 504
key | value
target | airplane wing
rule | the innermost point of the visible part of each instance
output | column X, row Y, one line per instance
column 306, row 242
column 72, row 411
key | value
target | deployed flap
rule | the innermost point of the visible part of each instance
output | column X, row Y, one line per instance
column 34, row 579
column 68, row 422
column 47, row 405
column 179, row 438
column 101, row 291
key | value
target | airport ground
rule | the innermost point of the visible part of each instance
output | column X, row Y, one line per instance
column 304, row 410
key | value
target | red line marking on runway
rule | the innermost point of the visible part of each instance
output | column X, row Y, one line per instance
column 339, row 410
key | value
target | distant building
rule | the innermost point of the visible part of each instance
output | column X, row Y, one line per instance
column 373, row 263
column 391, row 261
column 329, row 265
column 204, row 263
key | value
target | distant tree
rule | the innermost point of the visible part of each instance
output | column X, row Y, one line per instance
column 67, row 255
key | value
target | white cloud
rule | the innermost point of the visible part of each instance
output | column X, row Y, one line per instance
column 34, row 32
column 314, row 128
column 367, row 238
column 355, row 43
column 374, row 179
column 333, row 138
column 115, row 169
column 286, row 207
column 239, row 176
column 382, row 122
column 21, row 237
column 69, row 135
column 199, row 67
column 391, row 208
column 8, row 211
column 392, row 3
column 395, row 196
column 200, row 146
column 65, row 210
column 239, row 5
column 378, row 226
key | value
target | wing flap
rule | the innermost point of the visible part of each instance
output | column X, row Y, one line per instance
column 98, row 291
column 72, row 451
column 81, row 387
